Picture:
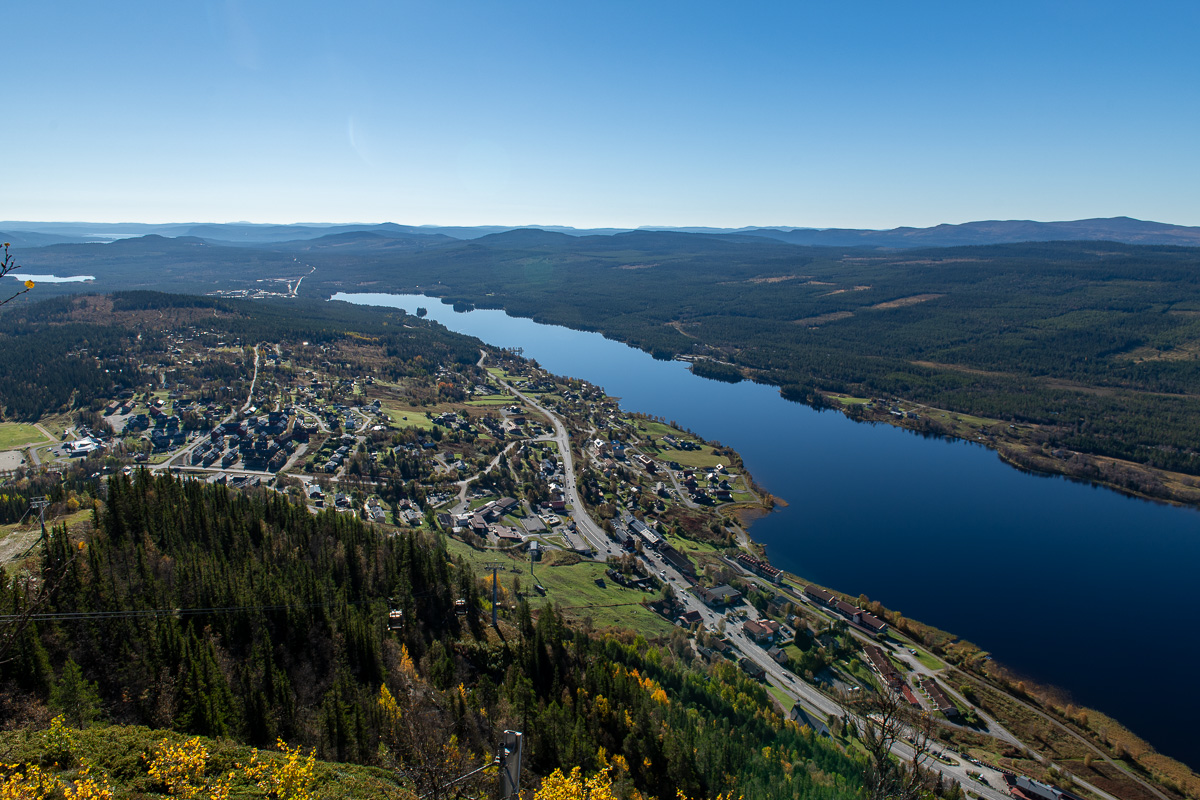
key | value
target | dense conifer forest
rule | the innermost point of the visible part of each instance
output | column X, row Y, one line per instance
column 194, row 608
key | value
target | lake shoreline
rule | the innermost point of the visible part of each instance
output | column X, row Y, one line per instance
column 876, row 510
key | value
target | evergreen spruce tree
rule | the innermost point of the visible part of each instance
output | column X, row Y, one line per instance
column 75, row 696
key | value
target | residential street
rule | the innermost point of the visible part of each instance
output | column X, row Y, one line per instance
column 587, row 527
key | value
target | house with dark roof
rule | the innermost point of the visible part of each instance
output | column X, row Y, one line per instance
column 820, row 595
column 752, row 669
column 723, row 595
column 757, row 631
column 872, row 623
column 801, row 717
column 941, row 701
column 1024, row 788
column 677, row 560
column 883, row 666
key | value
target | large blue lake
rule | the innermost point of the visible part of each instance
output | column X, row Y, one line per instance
column 1069, row 584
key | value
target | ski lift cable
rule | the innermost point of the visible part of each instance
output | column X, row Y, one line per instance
column 67, row 616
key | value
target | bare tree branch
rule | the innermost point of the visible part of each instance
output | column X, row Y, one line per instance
column 7, row 265
column 897, row 740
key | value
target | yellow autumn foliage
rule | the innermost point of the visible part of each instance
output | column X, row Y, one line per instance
column 180, row 767
column 575, row 786
column 31, row 782
column 290, row 780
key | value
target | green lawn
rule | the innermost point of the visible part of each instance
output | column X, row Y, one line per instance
column 17, row 434
column 784, row 699
column 850, row 401
column 649, row 428
column 491, row 400
column 974, row 422
column 927, row 660
column 793, row 652
column 415, row 418
column 504, row 374
column 689, row 546
column 573, row 589
column 704, row 457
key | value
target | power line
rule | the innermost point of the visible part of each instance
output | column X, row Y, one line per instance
column 151, row 612
column 610, row 605
column 68, row 616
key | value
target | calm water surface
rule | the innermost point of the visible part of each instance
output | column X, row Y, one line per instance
column 1069, row 584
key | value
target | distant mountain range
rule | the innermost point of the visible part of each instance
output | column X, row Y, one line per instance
column 390, row 235
column 1112, row 229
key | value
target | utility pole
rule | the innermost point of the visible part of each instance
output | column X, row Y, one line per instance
column 510, row 765
column 40, row 504
column 494, row 566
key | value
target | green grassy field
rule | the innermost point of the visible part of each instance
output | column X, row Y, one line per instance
column 793, row 652
column 781, row 697
column 927, row 660
column 970, row 421
column 491, row 400
column 573, row 589
column 504, row 374
column 17, row 434
column 704, row 457
column 415, row 418
column 649, row 428
column 689, row 546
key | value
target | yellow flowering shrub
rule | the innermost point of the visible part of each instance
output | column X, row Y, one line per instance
column 575, row 786
column 290, row 780
column 180, row 767
column 31, row 782
column 26, row 782
column 59, row 742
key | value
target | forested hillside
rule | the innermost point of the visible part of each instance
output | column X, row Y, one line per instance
column 197, row 609
column 67, row 352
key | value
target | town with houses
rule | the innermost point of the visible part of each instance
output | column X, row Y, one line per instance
column 542, row 474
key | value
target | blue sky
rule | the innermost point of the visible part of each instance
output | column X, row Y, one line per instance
column 833, row 113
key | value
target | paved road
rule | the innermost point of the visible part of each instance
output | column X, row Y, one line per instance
column 461, row 506
column 253, row 381
column 591, row 532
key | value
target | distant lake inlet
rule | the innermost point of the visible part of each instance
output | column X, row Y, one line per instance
column 25, row 276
